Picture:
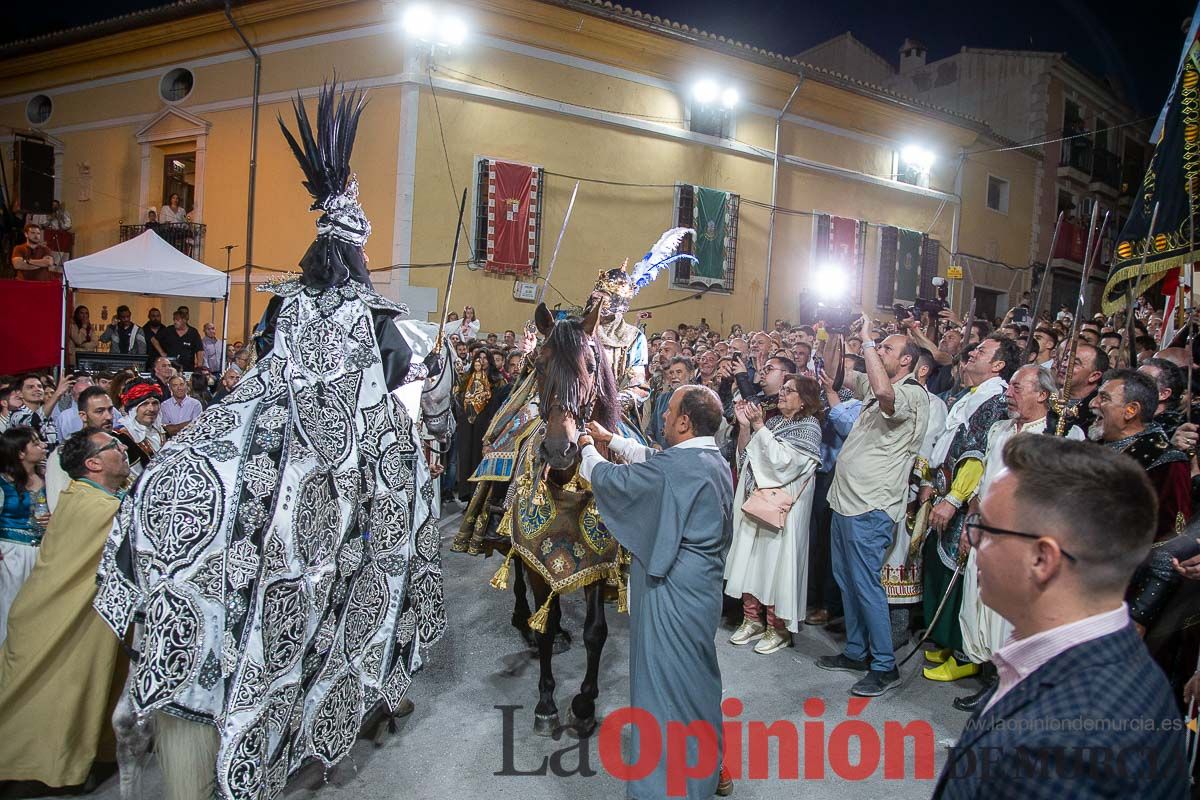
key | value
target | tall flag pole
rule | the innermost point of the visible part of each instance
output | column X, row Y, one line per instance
column 1171, row 183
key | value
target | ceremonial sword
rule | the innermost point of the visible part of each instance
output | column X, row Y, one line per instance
column 557, row 244
column 462, row 208
column 1131, row 287
column 1062, row 403
column 1040, row 303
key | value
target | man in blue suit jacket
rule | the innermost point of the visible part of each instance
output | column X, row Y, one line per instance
column 1080, row 710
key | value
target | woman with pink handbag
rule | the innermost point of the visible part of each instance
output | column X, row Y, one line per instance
column 767, row 566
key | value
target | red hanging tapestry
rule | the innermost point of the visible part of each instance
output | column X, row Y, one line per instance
column 512, row 197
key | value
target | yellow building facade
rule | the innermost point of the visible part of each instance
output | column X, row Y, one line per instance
column 585, row 90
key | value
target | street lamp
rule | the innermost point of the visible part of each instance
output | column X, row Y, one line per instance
column 440, row 28
column 705, row 91
column 918, row 158
column 830, row 282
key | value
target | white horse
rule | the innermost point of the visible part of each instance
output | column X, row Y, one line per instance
column 430, row 404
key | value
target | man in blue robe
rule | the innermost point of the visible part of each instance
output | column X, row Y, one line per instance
column 673, row 511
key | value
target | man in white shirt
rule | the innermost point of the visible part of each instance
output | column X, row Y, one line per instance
column 67, row 419
column 214, row 349
column 95, row 411
column 178, row 411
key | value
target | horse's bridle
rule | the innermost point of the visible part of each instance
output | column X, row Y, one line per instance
column 588, row 405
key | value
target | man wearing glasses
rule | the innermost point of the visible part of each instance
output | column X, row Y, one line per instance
column 58, row 661
column 1080, row 709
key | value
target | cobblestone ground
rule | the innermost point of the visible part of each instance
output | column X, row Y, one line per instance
column 453, row 745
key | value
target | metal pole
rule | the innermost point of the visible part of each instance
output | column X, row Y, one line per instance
column 774, row 199
column 225, row 327
column 253, row 169
column 955, row 222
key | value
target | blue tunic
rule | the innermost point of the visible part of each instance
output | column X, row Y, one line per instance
column 673, row 512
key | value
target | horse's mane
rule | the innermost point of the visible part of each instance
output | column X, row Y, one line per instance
column 564, row 372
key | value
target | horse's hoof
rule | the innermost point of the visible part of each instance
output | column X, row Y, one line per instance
column 580, row 728
column 546, row 724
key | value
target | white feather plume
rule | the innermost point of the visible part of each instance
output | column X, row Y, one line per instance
column 664, row 252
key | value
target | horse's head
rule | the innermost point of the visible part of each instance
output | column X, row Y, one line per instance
column 575, row 384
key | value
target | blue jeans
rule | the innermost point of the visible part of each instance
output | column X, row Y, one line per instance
column 859, row 545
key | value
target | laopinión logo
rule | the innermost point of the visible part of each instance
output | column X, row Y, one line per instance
column 853, row 749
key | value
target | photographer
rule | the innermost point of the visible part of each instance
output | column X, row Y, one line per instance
column 868, row 497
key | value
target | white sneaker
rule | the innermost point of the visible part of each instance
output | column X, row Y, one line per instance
column 747, row 632
column 771, row 641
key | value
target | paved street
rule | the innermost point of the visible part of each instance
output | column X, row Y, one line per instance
column 452, row 746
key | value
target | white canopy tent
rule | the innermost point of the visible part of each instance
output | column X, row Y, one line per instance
column 146, row 265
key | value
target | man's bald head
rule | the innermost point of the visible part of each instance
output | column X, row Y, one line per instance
column 1176, row 355
column 702, row 408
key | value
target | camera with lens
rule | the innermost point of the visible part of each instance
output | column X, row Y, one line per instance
column 931, row 306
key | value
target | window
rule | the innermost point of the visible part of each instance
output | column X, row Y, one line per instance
column 508, row 216
column 1072, row 118
column 711, row 119
column 38, row 109
column 176, row 85
column 179, row 177
column 997, row 194
column 714, row 215
column 910, row 172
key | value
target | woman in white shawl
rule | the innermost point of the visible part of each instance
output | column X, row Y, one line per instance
column 766, row 567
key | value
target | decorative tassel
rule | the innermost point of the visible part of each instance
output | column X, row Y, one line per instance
column 505, row 526
column 538, row 621
column 500, row 579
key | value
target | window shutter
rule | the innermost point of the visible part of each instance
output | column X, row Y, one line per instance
column 889, row 244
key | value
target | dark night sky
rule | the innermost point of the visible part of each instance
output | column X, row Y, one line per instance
column 1136, row 44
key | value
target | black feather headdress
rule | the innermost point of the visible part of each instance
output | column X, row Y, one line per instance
column 324, row 156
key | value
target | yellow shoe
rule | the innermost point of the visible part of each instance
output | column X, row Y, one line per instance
column 951, row 670
column 937, row 656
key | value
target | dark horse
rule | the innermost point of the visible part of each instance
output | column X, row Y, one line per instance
column 555, row 530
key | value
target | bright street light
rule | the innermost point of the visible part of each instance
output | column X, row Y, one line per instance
column 705, row 91
column 454, row 31
column 418, row 21
column 918, row 157
column 830, row 282
column 729, row 98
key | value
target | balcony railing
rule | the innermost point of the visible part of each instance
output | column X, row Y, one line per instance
column 186, row 237
column 1106, row 168
column 1077, row 154
column 1072, row 243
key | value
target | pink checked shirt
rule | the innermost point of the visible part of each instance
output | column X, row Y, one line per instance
column 1020, row 658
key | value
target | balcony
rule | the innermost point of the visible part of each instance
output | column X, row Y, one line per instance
column 1075, row 161
column 1131, row 180
column 186, row 237
column 1106, row 173
column 1072, row 243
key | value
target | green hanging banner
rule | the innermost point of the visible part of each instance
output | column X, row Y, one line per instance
column 710, row 215
column 908, row 263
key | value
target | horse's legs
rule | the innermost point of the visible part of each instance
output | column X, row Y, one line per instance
column 545, row 715
column 133, row 743
column 187, row 753
column 595, row 633
column 521, row 612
